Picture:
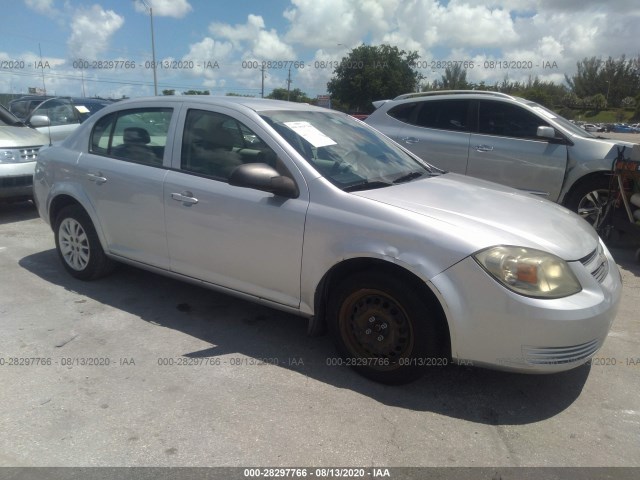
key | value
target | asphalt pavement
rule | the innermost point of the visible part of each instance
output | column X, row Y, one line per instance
column 139, row 370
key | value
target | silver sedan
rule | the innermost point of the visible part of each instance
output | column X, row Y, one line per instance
column 313, row 212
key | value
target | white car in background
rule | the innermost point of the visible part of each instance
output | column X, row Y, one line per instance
column 59, row 116
column 19, row 146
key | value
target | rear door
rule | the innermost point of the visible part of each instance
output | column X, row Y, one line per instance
column 123, row 174
column 507, row 150
column 438, row 132
column 242, row 239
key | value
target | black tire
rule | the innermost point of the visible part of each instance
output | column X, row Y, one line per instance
column 78, row 245
column 383, row 328
column 589, row 199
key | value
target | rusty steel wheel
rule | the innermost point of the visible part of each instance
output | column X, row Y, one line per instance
column 382, row 326
column 374, row 325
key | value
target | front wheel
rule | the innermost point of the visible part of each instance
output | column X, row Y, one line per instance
column 78, row 245
column 383, row 329
column 590, row 199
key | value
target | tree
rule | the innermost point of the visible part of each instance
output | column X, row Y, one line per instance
column 295, row 95
column 615, row 79
column 455, row 78
column 371, row 73
column 168, row 92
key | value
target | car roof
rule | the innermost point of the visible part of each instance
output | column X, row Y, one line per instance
column 447, row 95
column 256, row 104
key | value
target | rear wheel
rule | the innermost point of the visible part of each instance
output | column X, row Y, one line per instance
column 78, row 245
column 382, row 328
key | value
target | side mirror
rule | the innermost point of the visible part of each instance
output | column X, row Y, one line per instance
column 39, row 121
column 265, row 178
column 546, row 132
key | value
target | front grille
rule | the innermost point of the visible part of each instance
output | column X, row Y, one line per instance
column 559, row 355
column 23, row 181
column 29, row 154
column 597, row 264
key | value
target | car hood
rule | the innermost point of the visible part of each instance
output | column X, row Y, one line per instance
column 486, row 214
column 12, row 137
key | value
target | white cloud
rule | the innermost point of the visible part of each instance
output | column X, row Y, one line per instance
column 165, row 8
column 41, row 6
column 329, row 23
column 91, row 30
column 256, row 41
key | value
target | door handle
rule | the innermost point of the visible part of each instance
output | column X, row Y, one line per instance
column 410, row 140
column 484, row 148
column 186, row 198
column 98, row 178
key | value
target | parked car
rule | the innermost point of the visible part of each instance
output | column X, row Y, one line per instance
column 313, row 212
column 19, row 146
column 23, row 106
column 622, row 128
column 589, row 127
column 505, row 139
column 57, row 117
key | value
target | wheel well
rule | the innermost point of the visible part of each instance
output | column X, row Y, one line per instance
column 349, row 267
column 58, row 204
column 586, row 178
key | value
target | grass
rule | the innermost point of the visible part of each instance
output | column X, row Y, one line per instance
column 603, row 116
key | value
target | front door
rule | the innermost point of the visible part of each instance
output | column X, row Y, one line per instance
column 238, row 238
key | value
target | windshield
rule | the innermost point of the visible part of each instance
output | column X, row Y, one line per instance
column 563, row 122
column 7, row 119
column 349, row 154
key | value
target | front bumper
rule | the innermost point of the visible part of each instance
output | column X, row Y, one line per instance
column 494, row 327
column 16, row 180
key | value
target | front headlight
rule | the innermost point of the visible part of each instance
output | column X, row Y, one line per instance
column 529, row 272
column 9, row 155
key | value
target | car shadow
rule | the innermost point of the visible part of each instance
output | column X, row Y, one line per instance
column 234, row 326
column 11, row 212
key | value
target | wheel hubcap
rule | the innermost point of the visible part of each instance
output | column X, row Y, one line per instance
column 74, row 244
column 591, row 206
column 374, row 325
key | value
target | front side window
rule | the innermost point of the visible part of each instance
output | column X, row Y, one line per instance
column 214, row 144
column 507, row 120
column 59, row 111
column 138, row 135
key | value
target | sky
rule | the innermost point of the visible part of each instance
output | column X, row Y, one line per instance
column 104, row 48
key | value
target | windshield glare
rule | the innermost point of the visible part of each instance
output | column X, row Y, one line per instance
column 343, row 150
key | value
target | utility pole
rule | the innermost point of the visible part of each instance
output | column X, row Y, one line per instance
column 44, row 87
column 288, row 83
column 153, row 50
column 262, row 70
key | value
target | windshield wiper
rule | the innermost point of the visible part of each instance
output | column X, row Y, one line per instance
column 366, row 185
column 408, row 177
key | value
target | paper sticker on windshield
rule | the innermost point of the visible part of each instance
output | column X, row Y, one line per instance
column 310, row 133
column 82, row 109
column 542, row 111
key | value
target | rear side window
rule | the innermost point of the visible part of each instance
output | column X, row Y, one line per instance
column 138, row 135
column 404, row 112
column 444, row 115
column 507, row 120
